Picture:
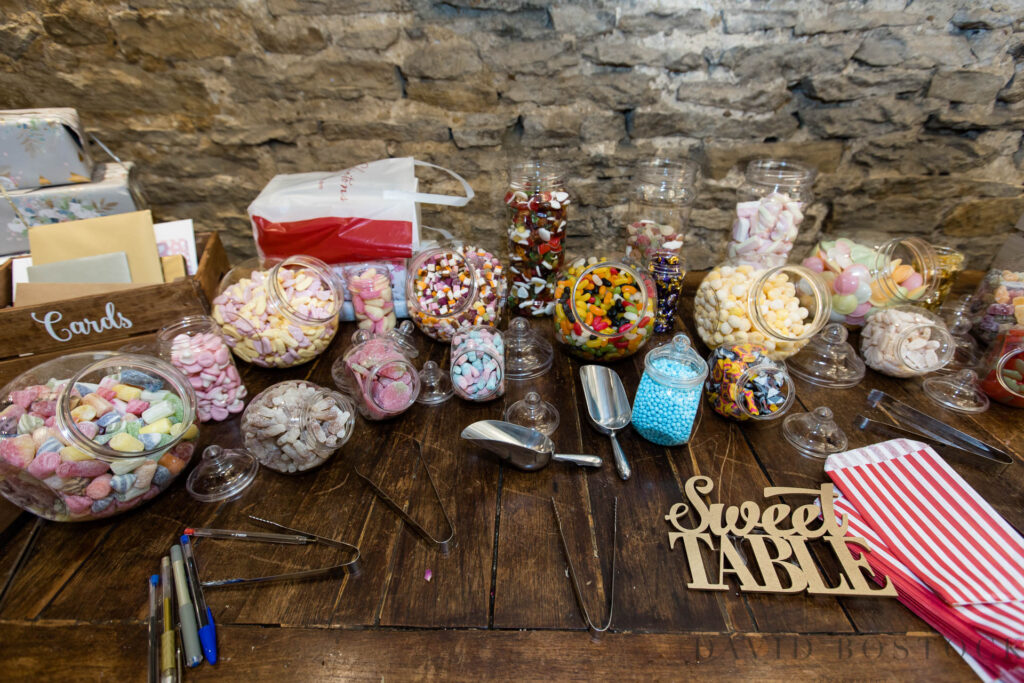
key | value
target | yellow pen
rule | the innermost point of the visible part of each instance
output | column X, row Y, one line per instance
column 168, row 644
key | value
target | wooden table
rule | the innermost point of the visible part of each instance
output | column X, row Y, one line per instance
column 500, row 604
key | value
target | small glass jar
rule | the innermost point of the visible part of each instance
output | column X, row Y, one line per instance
column 478, row 363
column 196, row 346
column 906, row 341
column 604, row 309
column 998, row 302
column 769, row 210
column 668, row 272
column 369, row 285
column 949, row 263
column 780, row 307
column 864, row 277
column 296, row 425
column 278, row 314
column 378, row 375
column 744, row 383
column 538, row 205
column 93, row 434
column 454, row 286
column 659, row 209
column 1003, row 368
column 668, row 397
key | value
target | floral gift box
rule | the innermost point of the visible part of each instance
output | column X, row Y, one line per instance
column 114, row 190
column 42, row 147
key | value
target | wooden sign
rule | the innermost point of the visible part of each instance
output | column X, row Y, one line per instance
column 777, row 539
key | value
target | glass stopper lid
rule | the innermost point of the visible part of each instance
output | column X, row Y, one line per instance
column 815, row 433
column 435, row 386
column 403, row 337
column 527, row 354
column 221, row 474
column 828, row 360
column 959, row 392
column 535, row 413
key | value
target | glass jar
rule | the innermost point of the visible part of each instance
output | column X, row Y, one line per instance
column 769, row 210
column 538, row 206
column 197, row 348
column 864, row 277
column 378, row 375
column 93, row 434
column 906, row 341
column 780, row 307
column 949, row 263
column 478, row 363
column 667, row 399
column 659, row 209
column 369, row 286
column 744, row 383
column 277, row 314
column 604, row 309
column 667, row 271
column 296, row 425
column 1003, row 368
column 454, row 286
column 998, row 302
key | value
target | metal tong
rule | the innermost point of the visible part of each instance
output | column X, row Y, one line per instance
column 594, row 629
column 947, row 441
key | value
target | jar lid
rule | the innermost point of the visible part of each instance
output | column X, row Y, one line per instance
column 404, row 339
column 221, row 474
column 527, row 354
column 815, row 433
column 959, row 392
column 535, row 413
column 435, row 385
column 676, row 362
column 828, row 360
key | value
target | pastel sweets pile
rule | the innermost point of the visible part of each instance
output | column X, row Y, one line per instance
column 378, row 376
column 905, row 341
column 478, row 363
column 766, row 228
column 372, row 299
column 205, row 359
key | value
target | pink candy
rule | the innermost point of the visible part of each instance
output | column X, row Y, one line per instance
column 764, row 230
column 372, row 299
column 206, row 360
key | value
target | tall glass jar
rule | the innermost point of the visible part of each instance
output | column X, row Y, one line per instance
column 604, row 309
column 769, row 210
column 538, row 205
column 93, row 434
column 277, row 314
column 779, row 307
column 868, row 275
column 667, row 399
column 660, row 207
column 1003, row 368
column 998, row 302
column 369, row 285
column 378, row 375
column 667, row 271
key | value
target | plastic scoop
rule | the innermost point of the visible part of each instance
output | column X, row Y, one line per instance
column 522, row 447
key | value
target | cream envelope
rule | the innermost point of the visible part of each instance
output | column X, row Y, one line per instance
column 35, row 293
column 131, row 233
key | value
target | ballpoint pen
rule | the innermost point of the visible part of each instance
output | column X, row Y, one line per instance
column 228, row 534
column 168, row 640
column 207, row 631
column 186, row 613
column 154, row 644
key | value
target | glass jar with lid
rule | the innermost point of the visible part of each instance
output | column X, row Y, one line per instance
column 659, row 209
column 277, row 314
column 769, row 210
column 378, row 374
column 538, row 206
column 669, row 394
column 93, row 434
column 744, row 383
column 478, row 363
column 998, row 302
column 604, row 308
column 1003, row 368
column 906, row 341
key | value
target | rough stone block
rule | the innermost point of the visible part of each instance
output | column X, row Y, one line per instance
column 552, row 127
column 1014, row 90
column 691, row 61
column 475, row 94
column 690, row 21
column 971, row 86
column 390, row 121
column 581, row 21
column 756, row 96
column 160, row 33
column 791, row 62
column 15, row 38
column 892, row 213
column 985, row 18
column 78, row 25
column 481, row 130
column 296, row 78
column 623, row 53
column 748, row 21
column 449, row 59
column 829, row 21
column 984, row 217
column 868, row 117
column 698, row 121
column 291, row 35
column 535, row 57
column 600, row 126
column 322, row 7
column 859, row 83
column 920, row 153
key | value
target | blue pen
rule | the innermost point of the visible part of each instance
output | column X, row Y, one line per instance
column 207, row 632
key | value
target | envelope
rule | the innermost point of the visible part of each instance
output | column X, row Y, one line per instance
column 131, row 233
column 35, row 293
column 100, row 268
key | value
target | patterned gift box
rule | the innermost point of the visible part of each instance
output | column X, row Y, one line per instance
column 114, row 190
column 42, row 147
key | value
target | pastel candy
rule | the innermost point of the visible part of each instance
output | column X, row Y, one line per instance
column 122, row 482
column 100, row 404
column 44, row 465
column 144, row 474
column 161, row 476
column 126, row 465
column 99, row 487
column 78, row 505
column 102, row 504
column 141, row 379
column 82, row 468
column 126, row 443
column 150, row 441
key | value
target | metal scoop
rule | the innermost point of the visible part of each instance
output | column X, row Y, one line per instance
column 609, row 408
column 521, row 447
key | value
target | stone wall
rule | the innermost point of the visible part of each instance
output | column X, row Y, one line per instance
column 911, row 110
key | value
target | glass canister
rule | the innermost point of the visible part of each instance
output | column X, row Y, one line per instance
column 369, row 285
column 1003, row 368
column 659, row 209
column 604, row 309
column 378, row 375
column 478, row 363
column 454, row 286
column 295, row 425
column 196, row 346
column 998, row 302
column 906, row 341
column 279, row 314
column 949, row 263
column 769, row 210
column 866, row 276
column 93, row 434
column 779, row 307
column 744, row 383
column 538, row 206
column 667, row 399
column 668, row 272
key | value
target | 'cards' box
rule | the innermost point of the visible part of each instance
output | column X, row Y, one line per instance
column 42, row 147
column 114, row 190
